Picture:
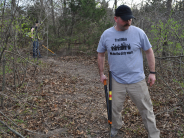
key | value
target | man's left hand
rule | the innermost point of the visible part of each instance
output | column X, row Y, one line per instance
column 151, row 79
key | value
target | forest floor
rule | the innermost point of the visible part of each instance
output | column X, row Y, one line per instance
column 63, row 97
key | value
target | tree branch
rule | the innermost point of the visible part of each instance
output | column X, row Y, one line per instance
column 21, row 57
column 169, row 57
column 17, row 125
column 17, row 133
column 168, row 111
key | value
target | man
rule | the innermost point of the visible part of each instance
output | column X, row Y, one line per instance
column 124, row 44
column 35, row 38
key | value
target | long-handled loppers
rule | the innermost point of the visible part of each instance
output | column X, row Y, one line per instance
column 49, row 50
column 108, row 97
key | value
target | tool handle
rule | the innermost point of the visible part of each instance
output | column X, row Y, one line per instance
column 110, row 81
column 106, row 97
column 110, row 98
column 105, row 82
column 48, row 49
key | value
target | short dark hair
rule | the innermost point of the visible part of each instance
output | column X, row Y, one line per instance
column 36, row 21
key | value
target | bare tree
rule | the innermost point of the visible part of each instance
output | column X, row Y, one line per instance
column 115, row 4
column 169, row 6
column 53, row 17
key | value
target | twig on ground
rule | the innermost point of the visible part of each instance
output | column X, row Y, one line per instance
column 17, row 133
column 17, row 125
column 167, row 111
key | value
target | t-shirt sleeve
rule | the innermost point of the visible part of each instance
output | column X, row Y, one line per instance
column 145, row 42
column 101, row 46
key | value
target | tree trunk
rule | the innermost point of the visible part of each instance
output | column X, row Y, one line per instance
column 53, row 18
column 169, row 5
column 42, row 9
column 64, row 15
column 115, row 4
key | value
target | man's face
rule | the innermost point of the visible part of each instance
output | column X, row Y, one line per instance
column 121, row 24
column 37, row 24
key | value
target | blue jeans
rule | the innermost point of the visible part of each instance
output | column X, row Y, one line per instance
column 36, row 49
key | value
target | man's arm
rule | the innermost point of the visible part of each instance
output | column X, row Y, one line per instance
column 32, row 29
column 101, row 62
column 151, row 63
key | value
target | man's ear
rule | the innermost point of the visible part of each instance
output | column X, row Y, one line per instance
column 115, row 18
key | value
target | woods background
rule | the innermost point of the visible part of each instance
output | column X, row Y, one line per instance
column 72, row 29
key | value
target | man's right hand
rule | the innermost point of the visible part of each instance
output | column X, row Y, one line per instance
column 102, row 78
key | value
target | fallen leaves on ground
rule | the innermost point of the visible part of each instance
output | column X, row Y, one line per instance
column 64, row 98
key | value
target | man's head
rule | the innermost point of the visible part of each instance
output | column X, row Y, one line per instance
column 37, row 23
column 124, row 12
column 123, row 17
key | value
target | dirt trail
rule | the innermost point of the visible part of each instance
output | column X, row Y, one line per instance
column 63, row 97
column 79, row 98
